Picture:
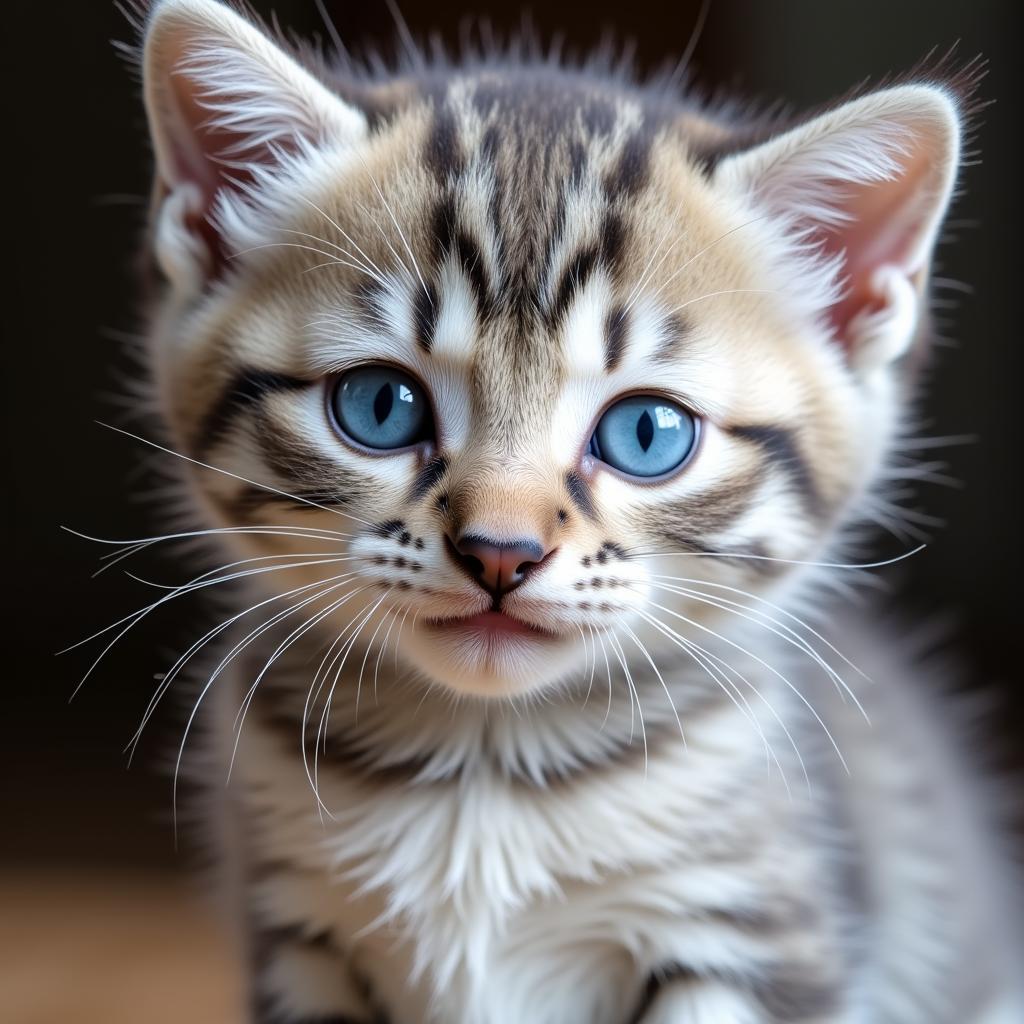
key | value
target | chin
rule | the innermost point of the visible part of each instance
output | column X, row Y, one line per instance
column 491, row 663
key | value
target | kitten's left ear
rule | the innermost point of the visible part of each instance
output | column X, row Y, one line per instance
column 865, row 187
column 227, row 109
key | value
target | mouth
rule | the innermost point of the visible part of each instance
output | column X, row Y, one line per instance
column 492, row 624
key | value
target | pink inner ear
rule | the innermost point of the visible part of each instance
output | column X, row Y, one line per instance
column 884, row 227
column 197, row 156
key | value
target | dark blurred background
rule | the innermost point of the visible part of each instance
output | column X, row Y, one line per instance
column 78, row 172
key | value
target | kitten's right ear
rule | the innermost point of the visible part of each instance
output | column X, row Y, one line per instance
column 862, row 190
column 227, row 108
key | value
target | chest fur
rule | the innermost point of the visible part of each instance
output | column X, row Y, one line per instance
column 496, row 901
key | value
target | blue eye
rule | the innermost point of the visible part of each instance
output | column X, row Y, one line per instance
column 382, row 407
column 644, row 435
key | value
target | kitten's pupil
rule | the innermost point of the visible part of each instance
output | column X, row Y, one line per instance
column 383, row 402
column 645, row 430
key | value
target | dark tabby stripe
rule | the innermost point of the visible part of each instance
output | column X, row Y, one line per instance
column 574, row 280
column 781, row 445
column 616, row 327
column 249, row 499
column 264, row 942
column 452, row 239
column 291, row 457
column 443, row 151
column 278, row 711
column 580, row 494
column 710, row 513
column 443, row 229
column 632, row 169
column 675, row 332
column 264, row 1012
column 613, row 242
column 472, row 262
column 425, row 316
column 789, row 994
column 246, row 389
column 429, row 476
column 672, row 974
column 308, row 475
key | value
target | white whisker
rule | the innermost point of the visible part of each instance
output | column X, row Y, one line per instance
column 191, row 719
column 401, row 233
column 654, row 667
column 199, row 584
column 783, row 631
column 337, row 227
column 717, row 670
column 383, row 648
column 291, row 639
column 634, row 695
column 782, row 561
column 323, row 727
column 774, row 671
column 331, row 259
column 234, row 476
column 184, row 658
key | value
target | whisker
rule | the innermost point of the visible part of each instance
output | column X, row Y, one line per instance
column 332, row 260
column 398, row 639
column 724, row 291
column 312, row 695
column 775, row 607
column 783, row 561
column 592, row 661
column 654, row 667
column 136, row 617
column 380, row 653
column 371, row 272
column 608, row 669
column 291, row 639
column 634, row 695
column 337, row 227
column 710, row 663
column 706, row 661
column 313, row 532
column 369, row 649
column 635, row 294
column 784, row 632
column 234, row 476
column 184, row 658
column 184, row 739
column 322, row 728
column 349, row 647
column 327, row 555
column 401, row 234
column 128, row 548
column 774, row 671
column 200, row 582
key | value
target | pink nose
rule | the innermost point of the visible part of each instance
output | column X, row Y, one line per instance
column 498, row 566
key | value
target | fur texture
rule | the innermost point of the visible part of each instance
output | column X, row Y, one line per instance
column 659, row 799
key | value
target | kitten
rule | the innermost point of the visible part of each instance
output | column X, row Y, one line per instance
column 531, row 407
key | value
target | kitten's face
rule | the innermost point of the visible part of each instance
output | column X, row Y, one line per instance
column 409, row 339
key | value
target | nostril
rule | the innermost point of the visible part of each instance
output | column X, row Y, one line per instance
column 498, row 566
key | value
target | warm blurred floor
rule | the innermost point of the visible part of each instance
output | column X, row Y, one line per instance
column 105, row 950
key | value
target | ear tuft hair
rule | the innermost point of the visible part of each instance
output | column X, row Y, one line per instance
column 227, row 107
column 862, row 190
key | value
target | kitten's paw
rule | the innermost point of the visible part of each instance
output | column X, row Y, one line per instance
column 696, row 1001
column 304, row 984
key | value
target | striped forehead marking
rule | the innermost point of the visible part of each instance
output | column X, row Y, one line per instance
column 532, row 182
